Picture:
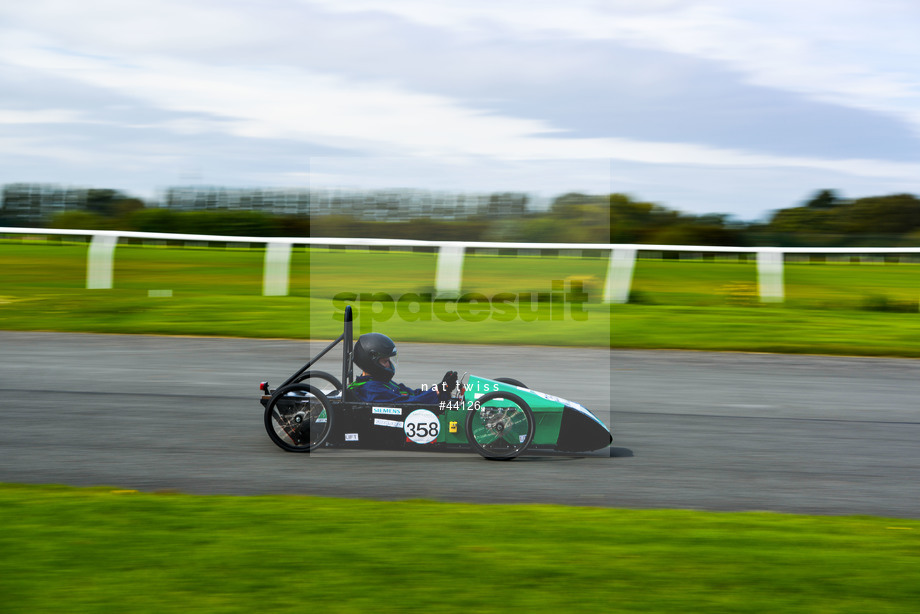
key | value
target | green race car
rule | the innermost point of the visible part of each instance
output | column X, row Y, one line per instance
column 499, row 418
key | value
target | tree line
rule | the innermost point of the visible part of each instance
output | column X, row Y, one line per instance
column 825, row 219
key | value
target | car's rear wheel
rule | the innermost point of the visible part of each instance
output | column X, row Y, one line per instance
column 298, row 418
column 512, row 381
column 500, row 426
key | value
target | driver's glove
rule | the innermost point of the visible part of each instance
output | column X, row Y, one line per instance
column 447, row 385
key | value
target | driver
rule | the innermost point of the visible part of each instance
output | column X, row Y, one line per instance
column 376, row 355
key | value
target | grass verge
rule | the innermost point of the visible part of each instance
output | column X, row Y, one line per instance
column 750, row 329
column 95, row 550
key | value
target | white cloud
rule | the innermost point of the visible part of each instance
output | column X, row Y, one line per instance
column 238, row 70
column 39, row 116
column 45, row 149
column 379, row 118
column 849, row 52
column 140, row 26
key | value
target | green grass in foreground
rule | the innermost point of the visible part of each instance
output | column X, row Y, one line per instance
column 99, row 550
column 690, row 304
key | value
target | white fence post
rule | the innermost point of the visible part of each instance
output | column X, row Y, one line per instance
column 448, row 281
column 770, row 276
column 277, row 268
column 99, row 262
column 619, row 275
column 449, row 278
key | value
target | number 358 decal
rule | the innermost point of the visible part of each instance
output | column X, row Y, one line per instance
column 422, row 426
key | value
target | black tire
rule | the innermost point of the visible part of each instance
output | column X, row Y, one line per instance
column 500, row 433
column 328, row 377
column 512, row 381
column 298, row 418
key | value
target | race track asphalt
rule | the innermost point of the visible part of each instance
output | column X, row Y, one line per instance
column 695, row 430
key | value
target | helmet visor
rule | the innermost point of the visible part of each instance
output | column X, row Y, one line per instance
column 387, row 362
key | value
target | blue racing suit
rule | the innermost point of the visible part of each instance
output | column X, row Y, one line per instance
column 368, row 390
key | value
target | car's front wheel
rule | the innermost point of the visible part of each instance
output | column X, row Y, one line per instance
column 500, row 425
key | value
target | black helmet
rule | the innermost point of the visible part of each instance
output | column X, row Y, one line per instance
column 371, row 347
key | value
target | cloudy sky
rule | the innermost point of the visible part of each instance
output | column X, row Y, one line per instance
column 729, row 106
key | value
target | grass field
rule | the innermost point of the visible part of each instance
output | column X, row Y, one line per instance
column 830, row 309
column 108, row 550
column 104, row 550
column 808, row 286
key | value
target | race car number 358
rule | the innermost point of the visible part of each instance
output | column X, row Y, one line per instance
column 422, row 426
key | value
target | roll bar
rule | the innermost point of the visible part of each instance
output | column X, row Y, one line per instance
column 348, row 351
column 347, row 354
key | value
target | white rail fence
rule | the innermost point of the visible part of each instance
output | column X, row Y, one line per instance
column 449, row 272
